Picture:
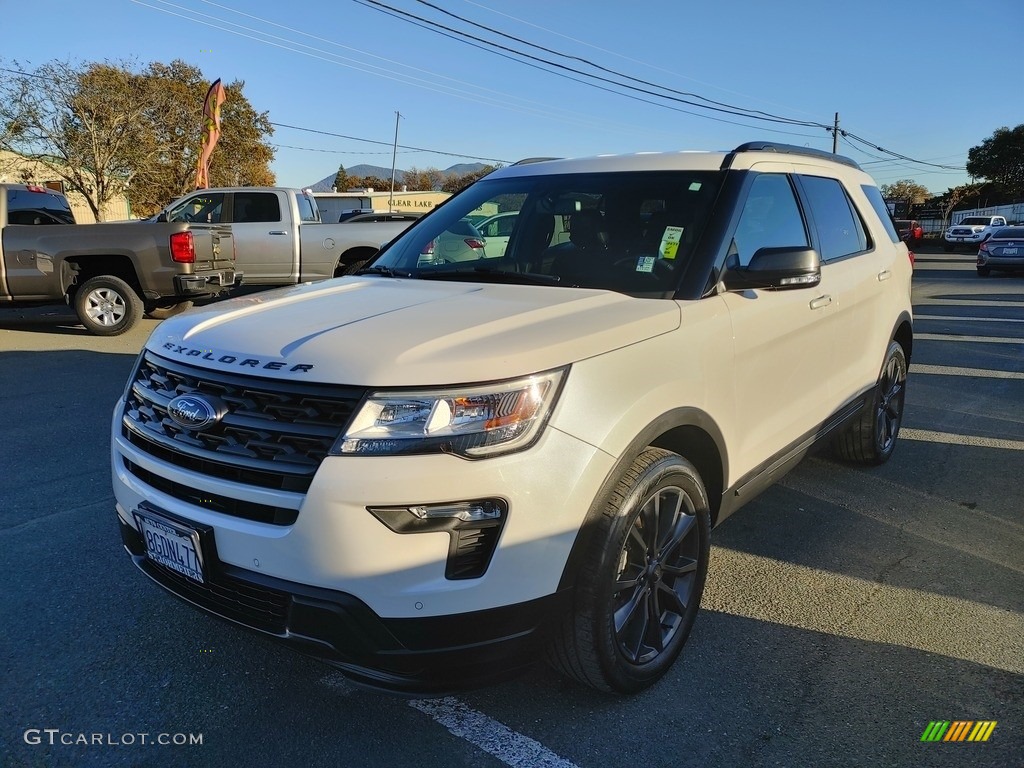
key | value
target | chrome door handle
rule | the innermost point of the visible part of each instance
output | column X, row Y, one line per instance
column 885, row 274
column 821, row 301
column 278, row 232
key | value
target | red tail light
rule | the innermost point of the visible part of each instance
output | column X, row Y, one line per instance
column 472, row 242
column 983, row 247
column 911, row 255
column 183, row 248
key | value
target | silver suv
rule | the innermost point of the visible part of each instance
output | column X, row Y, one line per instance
column 431, row 474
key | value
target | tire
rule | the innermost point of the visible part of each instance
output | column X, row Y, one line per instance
column 107, row 305
column 349, row 269
column 633, row 571
column 984, row 271
column 871, row 439
column 162, row 313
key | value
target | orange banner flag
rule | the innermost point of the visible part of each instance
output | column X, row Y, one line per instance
column 211, row 132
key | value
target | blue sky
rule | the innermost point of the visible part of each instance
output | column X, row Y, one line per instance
column 927, row 80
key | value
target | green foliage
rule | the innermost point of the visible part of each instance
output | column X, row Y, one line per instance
column 341, row 180
column 1000, row 159
column 905, row 189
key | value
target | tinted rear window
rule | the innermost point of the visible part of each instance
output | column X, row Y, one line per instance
column 1010, row 233
column 49, row 202
column 881, row 210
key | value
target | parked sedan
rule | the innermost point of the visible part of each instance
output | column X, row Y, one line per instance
column 1004, row 250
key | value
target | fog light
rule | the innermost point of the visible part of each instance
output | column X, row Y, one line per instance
column 473, row 528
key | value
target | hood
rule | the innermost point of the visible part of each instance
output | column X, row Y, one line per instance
column 375, row 331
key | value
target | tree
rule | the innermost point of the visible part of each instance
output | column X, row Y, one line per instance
column 1000, row 159
column 428, row 179
column 454, row 183
column 905, row 189
column 173, row 128
column 341, row 182
column 79, row 123
column 954, row 197
column 107, row 129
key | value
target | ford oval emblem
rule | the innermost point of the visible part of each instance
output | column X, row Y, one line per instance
column 193, row 412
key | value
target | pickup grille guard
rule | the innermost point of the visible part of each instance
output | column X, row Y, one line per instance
column 273, row 435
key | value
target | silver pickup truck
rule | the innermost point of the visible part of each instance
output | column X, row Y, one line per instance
column 278, row 235
column 110, row 273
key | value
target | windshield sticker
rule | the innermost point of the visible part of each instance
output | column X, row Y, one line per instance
column 670, row 242
column 645, row 264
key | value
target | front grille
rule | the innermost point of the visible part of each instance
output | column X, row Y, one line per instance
column 273, row 434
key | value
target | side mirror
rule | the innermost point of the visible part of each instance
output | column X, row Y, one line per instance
column 780, row 268
column 162, row 217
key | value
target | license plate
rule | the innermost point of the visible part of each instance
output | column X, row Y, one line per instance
column 1009, row 251
column 959, row 239
column 172, row 545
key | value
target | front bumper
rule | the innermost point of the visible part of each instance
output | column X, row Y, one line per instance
column 964, row 239
column 419, row 656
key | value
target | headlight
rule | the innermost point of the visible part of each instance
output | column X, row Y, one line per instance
column 472, row 422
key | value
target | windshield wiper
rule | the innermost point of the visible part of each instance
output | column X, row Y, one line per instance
column 502, row 275
column 385, row 271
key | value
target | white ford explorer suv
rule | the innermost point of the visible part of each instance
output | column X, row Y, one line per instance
column 432, row 474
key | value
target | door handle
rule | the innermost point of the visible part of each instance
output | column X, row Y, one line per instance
column 278, row 232
column 885, row 274
column 821, row 301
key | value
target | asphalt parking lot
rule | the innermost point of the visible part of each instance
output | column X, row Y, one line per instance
column 846, row 609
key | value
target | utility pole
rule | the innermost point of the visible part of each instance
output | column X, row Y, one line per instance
column 394, row 156
column 835, row 135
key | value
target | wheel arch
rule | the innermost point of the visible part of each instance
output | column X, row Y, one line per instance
column 86, row 267
column 689, row 432
column 903, row 333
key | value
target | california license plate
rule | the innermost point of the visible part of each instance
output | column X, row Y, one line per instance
column 172, row 545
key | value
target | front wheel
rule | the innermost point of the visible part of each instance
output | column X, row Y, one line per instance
column 871, row 439
column 107, row 305
column 639, row 589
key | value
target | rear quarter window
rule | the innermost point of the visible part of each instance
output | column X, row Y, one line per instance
column 840, row 231
column 881, row 210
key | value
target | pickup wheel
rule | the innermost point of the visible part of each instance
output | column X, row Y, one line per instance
column 162, row 313
column 107, row 305
column 871, row 439
column 638, row 592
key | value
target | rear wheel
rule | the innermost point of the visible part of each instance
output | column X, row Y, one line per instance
column 107, row 305
column 871, row 439
column 639, row 590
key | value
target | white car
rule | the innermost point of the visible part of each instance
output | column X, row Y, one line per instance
column 497, row 229
column 434, row 474
column 971, row 232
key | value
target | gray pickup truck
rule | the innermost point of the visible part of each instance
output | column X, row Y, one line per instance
column 111, row 274
column 278, row 235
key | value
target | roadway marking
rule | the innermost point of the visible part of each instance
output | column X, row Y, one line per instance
column 955, row 319
column 927, row 435
column 816, row 600
column 489, row 735
column 969, row 303
column 978, row 339
column 946, row 370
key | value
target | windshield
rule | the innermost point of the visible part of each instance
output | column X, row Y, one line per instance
column 627, row 232
column 976, row 220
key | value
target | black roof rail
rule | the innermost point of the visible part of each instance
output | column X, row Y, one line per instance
column 528, row 160
column 789, row 149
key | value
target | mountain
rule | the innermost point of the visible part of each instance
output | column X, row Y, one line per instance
column 325, row 184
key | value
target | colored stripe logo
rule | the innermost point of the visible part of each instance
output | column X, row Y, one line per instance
column 959, row 730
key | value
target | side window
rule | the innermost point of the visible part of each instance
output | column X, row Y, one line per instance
column 202, row 208
column 874, row 197
column 307, row 211
column 252, row 207
column 840, row 231
column 770, row 218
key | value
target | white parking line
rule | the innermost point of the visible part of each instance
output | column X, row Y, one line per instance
column 489, row 735
column 954, row 318
column 981, row 373
column 969, row 303
column 972, row 339
column 926, row 435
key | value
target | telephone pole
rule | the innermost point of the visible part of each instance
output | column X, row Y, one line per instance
column 835, row 135
column 394, row 155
